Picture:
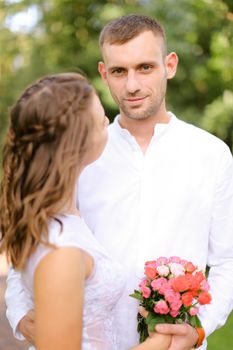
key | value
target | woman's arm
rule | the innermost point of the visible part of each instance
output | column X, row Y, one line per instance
column 59, row 291
column 155, row 342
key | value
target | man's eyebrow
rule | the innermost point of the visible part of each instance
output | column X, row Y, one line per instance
column 116, row 67
column 138, row 65
column 149, row 63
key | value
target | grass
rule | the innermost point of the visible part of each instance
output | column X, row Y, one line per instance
column 222, row 339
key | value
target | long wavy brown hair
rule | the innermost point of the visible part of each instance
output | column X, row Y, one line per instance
column 49, row 133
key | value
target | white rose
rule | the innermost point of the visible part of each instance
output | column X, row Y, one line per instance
column 176, row 269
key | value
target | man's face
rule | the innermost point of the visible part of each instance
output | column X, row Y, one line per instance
column 136, row 73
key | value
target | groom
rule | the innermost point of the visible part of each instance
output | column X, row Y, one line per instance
column 162, row 187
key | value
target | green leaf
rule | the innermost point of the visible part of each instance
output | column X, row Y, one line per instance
column 142, row 328
column 137, row 295
column 153, row 319
column 194, row 321
column 169, row 319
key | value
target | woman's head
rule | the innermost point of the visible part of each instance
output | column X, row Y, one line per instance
column 54, row 129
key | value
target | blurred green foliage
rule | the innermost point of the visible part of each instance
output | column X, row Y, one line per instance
column 66, row 38
column 222, row 338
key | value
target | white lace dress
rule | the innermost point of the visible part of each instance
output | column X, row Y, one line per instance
column 102, row 289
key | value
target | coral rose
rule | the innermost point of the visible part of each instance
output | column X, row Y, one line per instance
column 199, row 276
column 204, row 298
column 189, row 267
column 187, row 298
column 150, row 272
column 180, row 283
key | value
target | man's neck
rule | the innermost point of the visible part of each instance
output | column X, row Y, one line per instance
column 143, row 129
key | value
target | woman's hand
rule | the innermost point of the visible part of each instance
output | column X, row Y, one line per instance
column 182, row 336
column 155, row 341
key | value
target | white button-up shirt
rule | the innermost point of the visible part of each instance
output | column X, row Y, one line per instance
column 176, row 199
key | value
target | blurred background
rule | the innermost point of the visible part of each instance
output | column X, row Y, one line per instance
column 50, row 36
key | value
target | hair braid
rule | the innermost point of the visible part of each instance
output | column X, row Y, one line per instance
column 49, row 132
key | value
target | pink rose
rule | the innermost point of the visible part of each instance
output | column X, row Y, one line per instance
column 161, row 261
column 174, row 313
column 146, row 292
column 174, row 259
column 183, row 262
column 193, row 311
column 143, row 283
column 160, row 284
column 171, row 295
column 161, row 307
column 176, row 304
column 205, row 287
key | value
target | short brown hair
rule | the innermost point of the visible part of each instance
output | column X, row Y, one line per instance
column 125, row 28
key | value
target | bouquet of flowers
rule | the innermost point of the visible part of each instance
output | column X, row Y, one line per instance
column 171, row 291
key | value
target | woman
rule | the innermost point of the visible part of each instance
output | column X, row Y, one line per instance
column 57, row 127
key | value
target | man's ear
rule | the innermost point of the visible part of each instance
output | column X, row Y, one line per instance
column 171, row 63
column 102, row 71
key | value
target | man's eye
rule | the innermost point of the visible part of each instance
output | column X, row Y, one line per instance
column 117, row 71
column 146, row 67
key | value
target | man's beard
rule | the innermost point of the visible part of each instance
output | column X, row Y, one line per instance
column 151, row 110
column 139, row 114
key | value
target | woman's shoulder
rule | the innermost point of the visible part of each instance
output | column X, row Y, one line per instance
column 71, row 230
column 65, row 231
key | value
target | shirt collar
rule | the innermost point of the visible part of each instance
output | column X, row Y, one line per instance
column 159, row 128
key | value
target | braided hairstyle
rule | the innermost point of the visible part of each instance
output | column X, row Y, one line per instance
column 49, row 133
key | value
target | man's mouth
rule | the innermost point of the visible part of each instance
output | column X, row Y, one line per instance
column 135, row 99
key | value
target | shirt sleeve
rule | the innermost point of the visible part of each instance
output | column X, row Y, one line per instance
column 18, row 301
column 220, row 257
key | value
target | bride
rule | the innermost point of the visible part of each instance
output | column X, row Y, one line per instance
column 57, row 127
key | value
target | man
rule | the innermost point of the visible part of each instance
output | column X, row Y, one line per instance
column 161, row 188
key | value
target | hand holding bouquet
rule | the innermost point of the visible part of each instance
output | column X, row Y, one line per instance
column 172, row 292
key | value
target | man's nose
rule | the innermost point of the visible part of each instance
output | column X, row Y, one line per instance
column 132, row 83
